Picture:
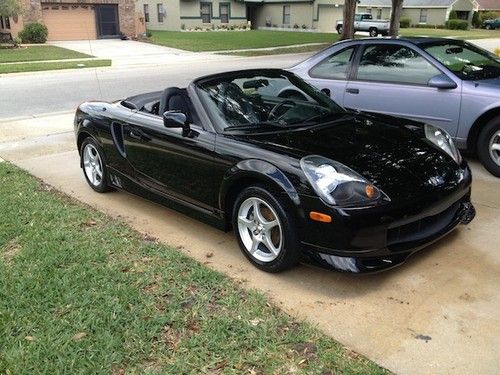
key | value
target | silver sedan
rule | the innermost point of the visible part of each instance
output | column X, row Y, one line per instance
column 444, row 82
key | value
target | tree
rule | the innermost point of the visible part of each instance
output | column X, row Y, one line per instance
column 397, row 9
column 9, row 8
column 348, row 22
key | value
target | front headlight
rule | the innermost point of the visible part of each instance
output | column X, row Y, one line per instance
column 443, row 140
column 337, row 184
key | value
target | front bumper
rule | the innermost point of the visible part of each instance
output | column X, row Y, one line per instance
column 363, row 241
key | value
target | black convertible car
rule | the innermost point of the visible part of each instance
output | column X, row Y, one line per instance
column 293, row 174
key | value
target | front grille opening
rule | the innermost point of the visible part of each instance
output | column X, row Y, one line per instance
column 423, row 228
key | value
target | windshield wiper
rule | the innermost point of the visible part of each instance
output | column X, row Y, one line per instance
column 255, row 125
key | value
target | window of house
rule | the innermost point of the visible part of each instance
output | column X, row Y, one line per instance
column 161, row 12
column 224, row 13
column 146, row 12
column 334, row 66
column 395, row 64
column 379, row 14
column 1, row 22
column 7, row 22
column 286, row 14
column 423, row 16
column 206, row 12
column 369, row 11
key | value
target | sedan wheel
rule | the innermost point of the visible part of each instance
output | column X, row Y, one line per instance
column 488, row 146
column 488, row 27
column 94, row 166
column 494, row 148
column 265, row 231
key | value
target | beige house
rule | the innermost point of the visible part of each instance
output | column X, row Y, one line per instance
column 78, row 19
column 423, row 12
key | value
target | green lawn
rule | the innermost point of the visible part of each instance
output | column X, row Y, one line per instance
column 38, row 53
column 39, row 66
column 278, row 51
column 460, row 34
column 219, row 41
column 81, row 293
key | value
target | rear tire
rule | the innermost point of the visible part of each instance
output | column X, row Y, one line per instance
column 93, row 163
column 373, row 32
column 488, row 146
column 339, row 29
column 266, row 234
column 488, row 27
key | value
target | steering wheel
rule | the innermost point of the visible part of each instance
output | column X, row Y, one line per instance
column 272, row 114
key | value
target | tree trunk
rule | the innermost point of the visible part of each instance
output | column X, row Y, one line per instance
column 348, row 22
column 397, row 8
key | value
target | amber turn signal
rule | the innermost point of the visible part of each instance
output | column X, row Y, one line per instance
column 370, row 191
column 318, row 216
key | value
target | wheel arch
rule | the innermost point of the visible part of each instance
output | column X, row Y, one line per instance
column 478, row 125
column 254, row 172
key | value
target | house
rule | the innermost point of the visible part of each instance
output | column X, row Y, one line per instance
column 423, row 12
column 78, row 19
column 187, row 14
column 488, row 6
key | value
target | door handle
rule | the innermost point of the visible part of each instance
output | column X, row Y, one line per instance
column 352, row 91
column 139, row 136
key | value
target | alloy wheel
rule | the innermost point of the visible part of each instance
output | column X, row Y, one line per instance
column 494, row 147
column 260, row 229
column 92, row 165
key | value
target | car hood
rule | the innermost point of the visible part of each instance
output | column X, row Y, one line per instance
column 391, row 153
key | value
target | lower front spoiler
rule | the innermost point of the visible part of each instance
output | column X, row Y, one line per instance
column 367, row 264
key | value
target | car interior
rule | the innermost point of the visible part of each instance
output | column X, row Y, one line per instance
column 159, row 102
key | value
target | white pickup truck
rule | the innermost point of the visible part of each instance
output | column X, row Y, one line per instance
column 365, row 22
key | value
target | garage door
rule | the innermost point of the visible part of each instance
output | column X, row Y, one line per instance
column 69, row 22
column 328, row 17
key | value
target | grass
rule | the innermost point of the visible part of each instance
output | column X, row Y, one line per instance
column 459, row 34
column 221, row 41
column 38, row 53
column 279, row 51
column 57, row 65
column 81, row 293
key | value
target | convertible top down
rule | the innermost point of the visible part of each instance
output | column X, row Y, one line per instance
column 295, row 176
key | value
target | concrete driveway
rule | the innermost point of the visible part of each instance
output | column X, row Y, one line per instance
column 437, row 314
column 130, row 53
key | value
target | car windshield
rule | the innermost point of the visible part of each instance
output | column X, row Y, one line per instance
column 257, row 100
column 465, row 60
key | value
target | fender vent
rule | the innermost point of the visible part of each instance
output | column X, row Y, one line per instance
column 117, row 134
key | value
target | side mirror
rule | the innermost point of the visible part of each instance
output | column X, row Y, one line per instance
column 326, row 92
column 442, row 81
column 174, row 119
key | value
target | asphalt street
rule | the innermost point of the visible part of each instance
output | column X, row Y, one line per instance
column 46, row 92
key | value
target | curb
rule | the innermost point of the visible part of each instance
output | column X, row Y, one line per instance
column 30, row 117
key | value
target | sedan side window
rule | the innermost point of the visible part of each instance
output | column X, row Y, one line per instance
column 395, row 63
column 335, row 66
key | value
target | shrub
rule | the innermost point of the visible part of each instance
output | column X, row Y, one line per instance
column 476, row 20
column 148, row 34
column 488, row 16
column 304, row 26
column 183, row 26
column 296, row 26
column 34, row 33
column 404, row 22
column 453, row 15
column 457, row 25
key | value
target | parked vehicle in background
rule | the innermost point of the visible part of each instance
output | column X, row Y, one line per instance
column 492, row 24
column 448, row 83
column 365, row 22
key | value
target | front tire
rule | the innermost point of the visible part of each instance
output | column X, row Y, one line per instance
column 265, row 232
column 488, row 146
column 93, row 164
column 339, row 29
column 489, row 27
column 373, row 32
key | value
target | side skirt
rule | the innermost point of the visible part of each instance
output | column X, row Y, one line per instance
column 122, row 182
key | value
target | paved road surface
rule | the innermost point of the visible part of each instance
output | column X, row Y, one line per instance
column 44, row 92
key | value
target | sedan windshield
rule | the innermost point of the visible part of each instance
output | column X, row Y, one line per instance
column 465, row 60
column 265, row 100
